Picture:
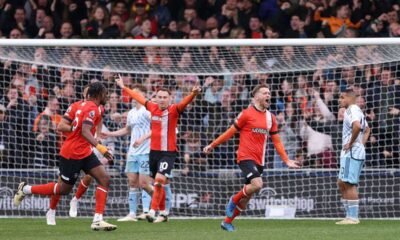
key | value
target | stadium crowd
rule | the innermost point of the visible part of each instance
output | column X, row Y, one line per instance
column 34, row 97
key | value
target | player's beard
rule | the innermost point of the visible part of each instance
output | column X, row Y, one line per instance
column 103, row 102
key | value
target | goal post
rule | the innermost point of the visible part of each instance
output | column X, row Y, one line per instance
column 40, row 78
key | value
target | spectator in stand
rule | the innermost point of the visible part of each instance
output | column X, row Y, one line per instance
column 287, row 122
column 191, row 17
column 384, row 100
column 145, row 30
column 66, row 30
column 338, row 21
column 46, row 149
column 47, row 27
column 20, row 133
column 18, row 20
column 140, row 13
column 15, row 34
column 98, row 21
column 120, row 8
column 297, row 28
column 51, row 111
column 4, row 138
column 158, row 10
column 116, row 28
column 255, row 29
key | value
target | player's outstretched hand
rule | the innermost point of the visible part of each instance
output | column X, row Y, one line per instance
column 293, row 164
column 196, row 89
column 119, row 81
column 104, row 135
column 208, row 149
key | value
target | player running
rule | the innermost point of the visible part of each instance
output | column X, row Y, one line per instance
column 66, row 128
column 254, row 125
column 164, row 119
column 355, row 135
column 137, row 164
column 77, row 154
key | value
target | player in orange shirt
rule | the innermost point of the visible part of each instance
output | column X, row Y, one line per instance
column 66, row 128
column 254, row 125
column 77, row 154
column 164, row 119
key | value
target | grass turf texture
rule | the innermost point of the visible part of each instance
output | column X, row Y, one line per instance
column 77, row 229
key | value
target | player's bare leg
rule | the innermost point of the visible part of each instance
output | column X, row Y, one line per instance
column 82, row 187
column 350, row 201
column 103, row 180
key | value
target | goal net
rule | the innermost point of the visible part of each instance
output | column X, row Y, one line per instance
column 39, row 79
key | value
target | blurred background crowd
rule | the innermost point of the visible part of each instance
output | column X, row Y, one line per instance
column 33, row 98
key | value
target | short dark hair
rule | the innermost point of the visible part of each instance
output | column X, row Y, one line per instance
column 350, row 91
column 164, row 90
column 257, row 88
column 96, row 89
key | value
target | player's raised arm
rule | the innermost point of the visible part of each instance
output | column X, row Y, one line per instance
column 134, row 94
column 188, row 99
column 221, row 139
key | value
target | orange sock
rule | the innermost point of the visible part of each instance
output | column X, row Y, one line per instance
column 241, row 194
column 54, row 199
column 51, row 188
column 81, row 189
column 236, row 212
column 101, row 199
column 157, row 194
column 162, row 201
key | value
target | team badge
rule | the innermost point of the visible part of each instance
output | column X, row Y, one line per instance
column 91, row 114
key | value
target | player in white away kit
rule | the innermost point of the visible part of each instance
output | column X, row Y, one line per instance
column 354, row 136
column 137, row 164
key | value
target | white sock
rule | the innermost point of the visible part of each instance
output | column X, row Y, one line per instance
column 52, row 211
column 164, row 213
column 27, row 189
column 98, row 217
column 132, row 214
column 74, row 199
column 152, row 212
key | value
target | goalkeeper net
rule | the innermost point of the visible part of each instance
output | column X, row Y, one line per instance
column 39, row 79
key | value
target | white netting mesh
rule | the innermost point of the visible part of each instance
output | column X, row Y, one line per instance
column 305, row 81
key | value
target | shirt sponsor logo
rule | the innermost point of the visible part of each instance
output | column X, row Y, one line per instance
column 259, row 130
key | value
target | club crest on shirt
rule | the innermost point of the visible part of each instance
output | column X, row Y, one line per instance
column 92, row 113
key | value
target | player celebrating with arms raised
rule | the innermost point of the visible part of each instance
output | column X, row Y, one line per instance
column 254, row 125
column 355, row 134
column 164, row 119
column 77, row 154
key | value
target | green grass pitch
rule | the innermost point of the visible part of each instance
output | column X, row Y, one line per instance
column 78, row 229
